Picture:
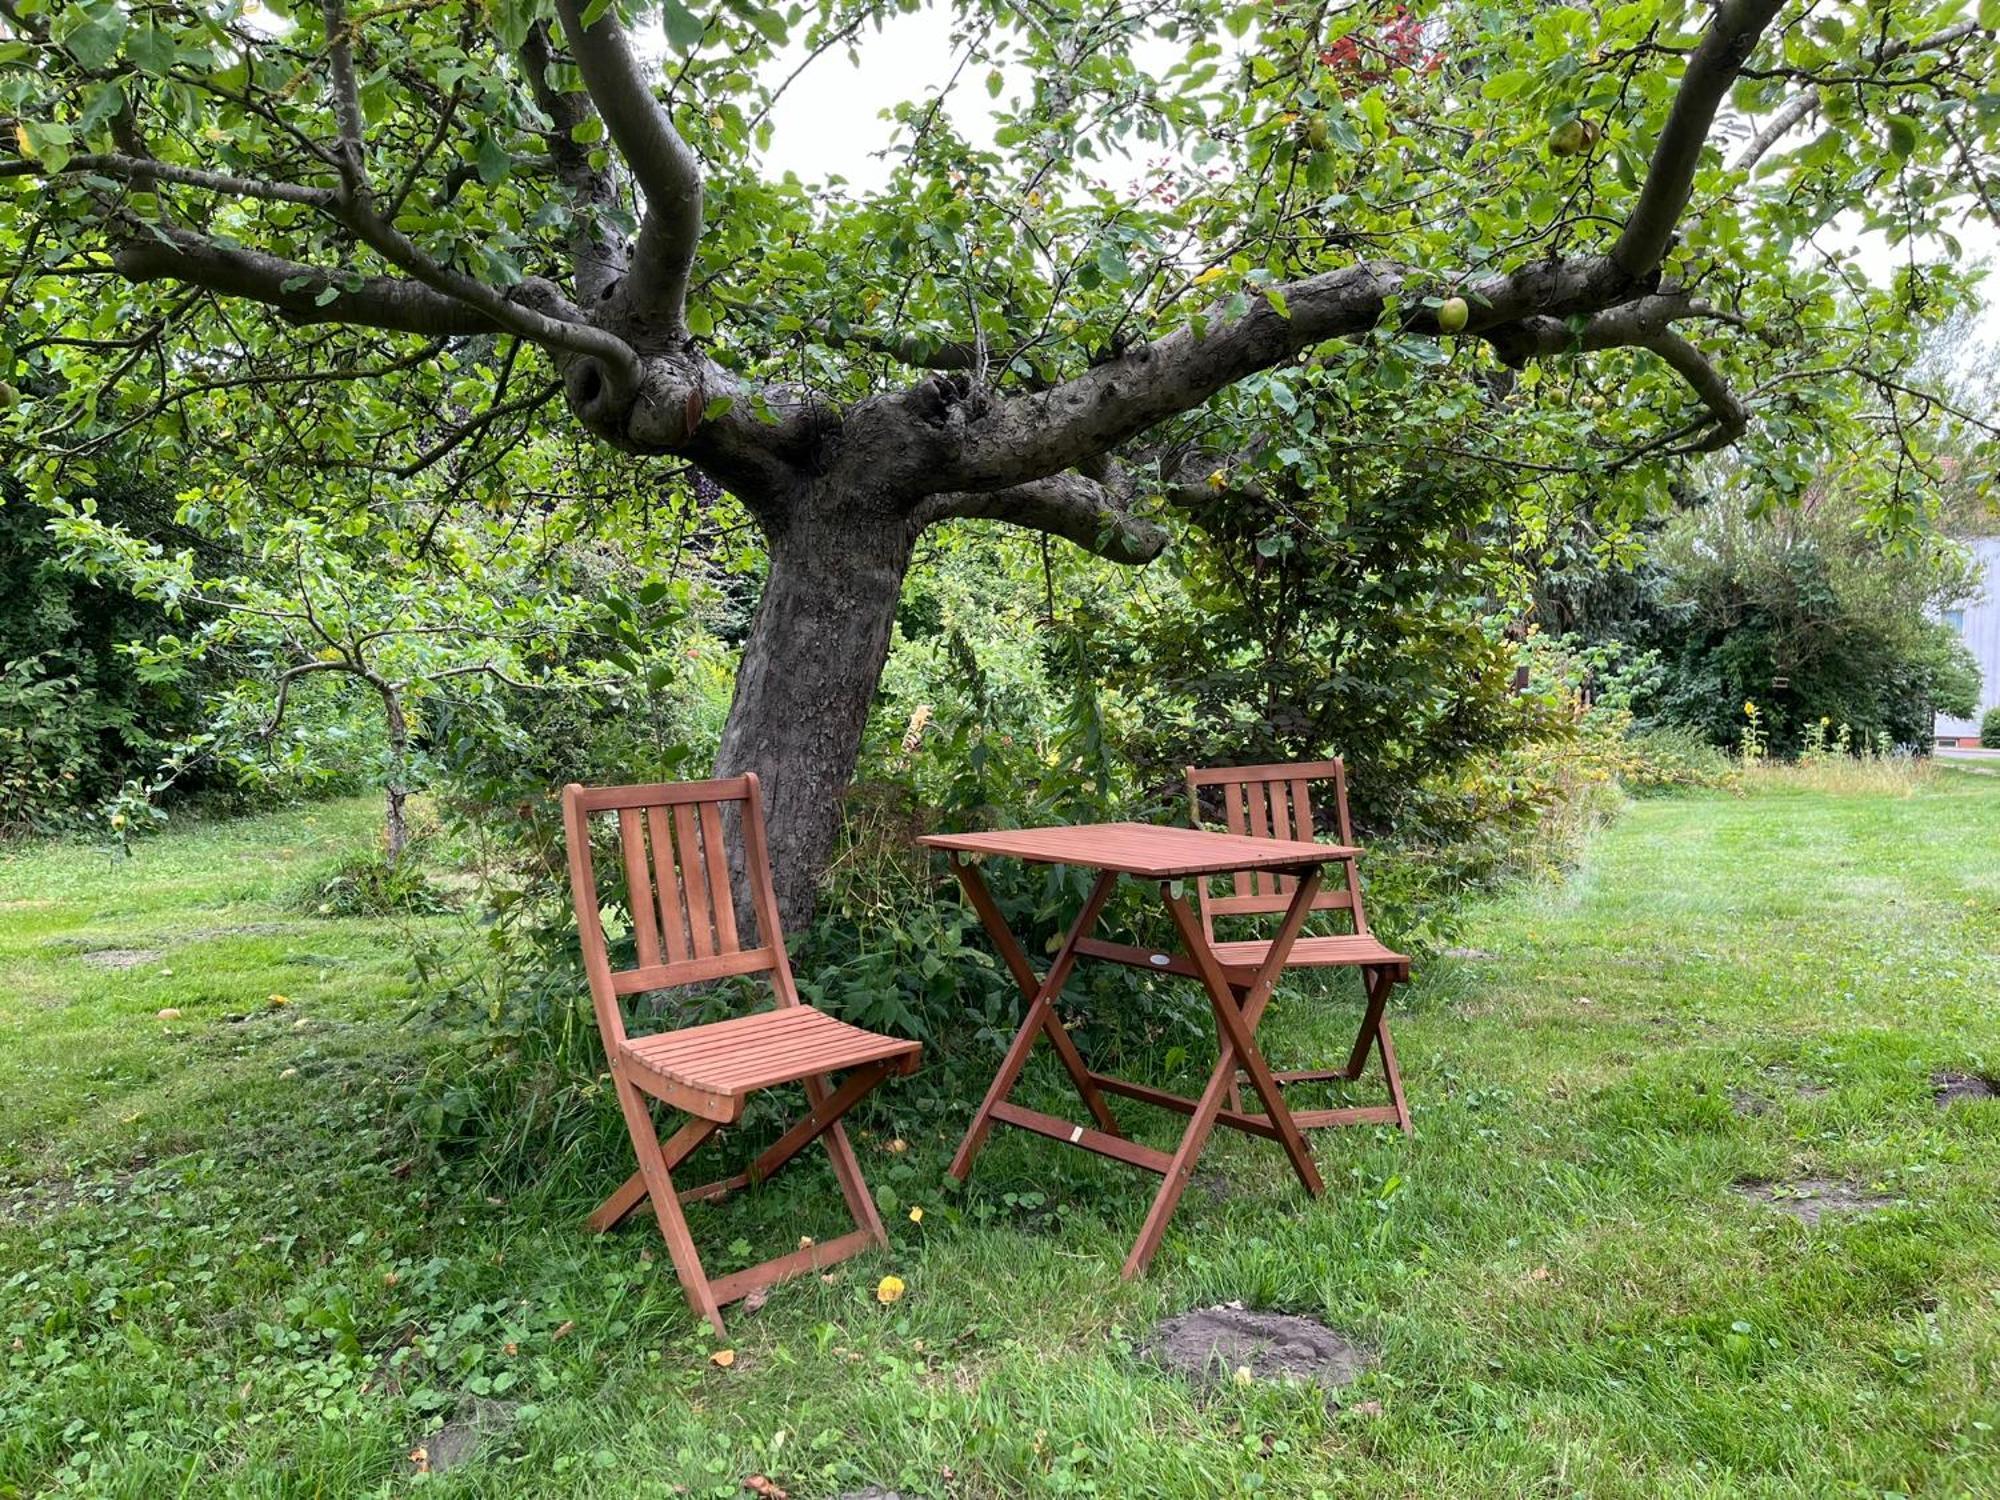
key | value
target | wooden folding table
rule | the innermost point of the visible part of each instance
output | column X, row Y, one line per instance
column 1238, row 994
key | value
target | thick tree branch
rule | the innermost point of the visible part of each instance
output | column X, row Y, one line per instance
column 970, row 441
column 346, row 96
column 1727, row 416
column 987, row 444
column 1793, row 110
column 1629, row 323
column 1095, row 515
column 653, row 294
column 598, row 255
column 303, row 293
column 1712, row 68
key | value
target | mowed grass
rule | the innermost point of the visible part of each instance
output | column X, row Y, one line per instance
column 225, row 1269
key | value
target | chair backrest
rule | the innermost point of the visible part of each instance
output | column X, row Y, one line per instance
column 674, row 854
column 1274, row 802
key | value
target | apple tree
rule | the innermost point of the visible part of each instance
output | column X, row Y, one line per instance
column 272, row 238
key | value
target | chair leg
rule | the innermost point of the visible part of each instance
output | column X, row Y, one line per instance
column 1375, row 1034
column 666, row 1202
column 1395, row 1077
column 630, row 1193
column 822, row 1122
column 840, row 1151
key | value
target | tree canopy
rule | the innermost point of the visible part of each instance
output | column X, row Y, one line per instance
column 384, row 241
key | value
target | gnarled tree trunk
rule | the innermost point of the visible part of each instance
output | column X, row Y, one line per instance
column 809, row 673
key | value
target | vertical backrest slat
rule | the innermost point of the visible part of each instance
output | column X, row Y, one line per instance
column 1235, row 802
column 694, row 883
column 638, row 885
column 1302, row 812
column 1281, row 828
column 1344, row 831
column 1275, row 801
column 1259, row 827
column 589, row 926
column 715, row 865
column 763, row 897
column 673, row 919
column 1344, row 825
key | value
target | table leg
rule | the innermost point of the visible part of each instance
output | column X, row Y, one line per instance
column 1041, row 1013
column 1236, row 1027
column 1237, row 1023
column 1024, row 977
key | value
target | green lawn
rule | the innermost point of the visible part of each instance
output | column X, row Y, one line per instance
column 223, row 1269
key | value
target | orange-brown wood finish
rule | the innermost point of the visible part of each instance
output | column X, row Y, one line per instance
column 1238, row 995
column 684, row 925
column 1275, row 802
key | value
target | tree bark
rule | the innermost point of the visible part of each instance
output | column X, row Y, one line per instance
column 808, row 677
column 396, row 785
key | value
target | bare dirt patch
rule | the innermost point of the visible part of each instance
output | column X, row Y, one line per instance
column 1467, row 955
column 463, row 1436
column 1814, row 1198
column 120, row 958
column 1953, row 1087
column 1213, row 1343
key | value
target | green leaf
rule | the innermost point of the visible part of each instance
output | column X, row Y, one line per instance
column 1278, row 304
column 1902, row 134
column 994, row 83
column 492, row 159
column 684, row 27
column 1507, row 85
column 95, row 43
column 151, row 49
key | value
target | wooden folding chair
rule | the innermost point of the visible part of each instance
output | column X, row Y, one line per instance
column 1276, row 802
column 684, row 930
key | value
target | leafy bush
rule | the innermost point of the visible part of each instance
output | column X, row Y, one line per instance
column 1989, row 728
column 369, row 885
column 1673, row 758
column 79, row 715
column 1807, row 615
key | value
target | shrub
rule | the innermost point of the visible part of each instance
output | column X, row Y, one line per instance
column 1989, row 728
column 79, row 714
column 1673, row 758
column 368, row 885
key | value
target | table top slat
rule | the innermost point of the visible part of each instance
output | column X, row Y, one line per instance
column 1144, row 850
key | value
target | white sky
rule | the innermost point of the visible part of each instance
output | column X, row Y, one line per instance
column 829, row 123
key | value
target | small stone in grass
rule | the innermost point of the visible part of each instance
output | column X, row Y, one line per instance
column 167, row 1013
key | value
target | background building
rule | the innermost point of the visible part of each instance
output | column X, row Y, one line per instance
column 1978, row 620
